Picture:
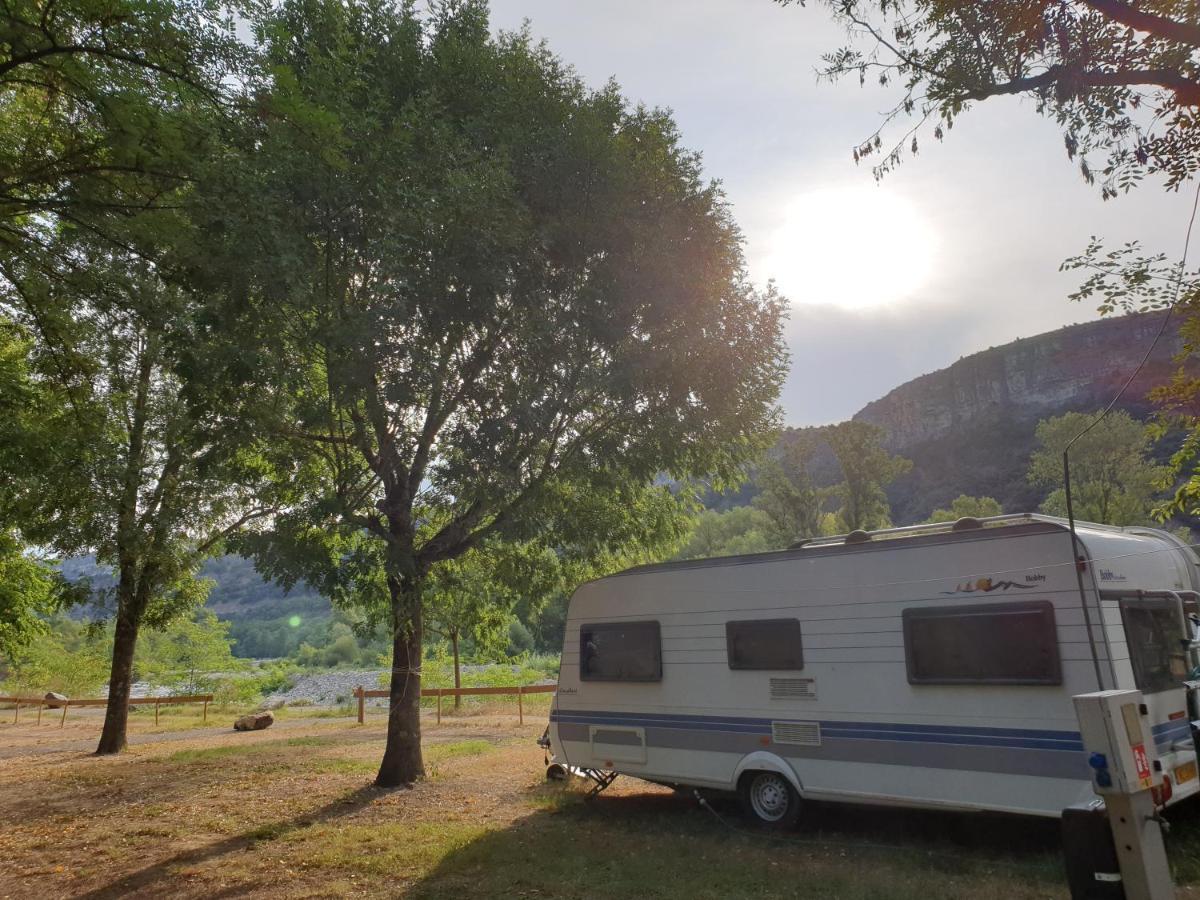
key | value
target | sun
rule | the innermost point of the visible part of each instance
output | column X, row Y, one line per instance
column 853, row 247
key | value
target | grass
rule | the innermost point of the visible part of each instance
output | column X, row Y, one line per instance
column 664, row 849
column 384, row 850
column 297, row 815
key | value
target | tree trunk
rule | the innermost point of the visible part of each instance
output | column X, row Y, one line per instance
column 457, row 679
column 116, row 715
column 402, row 762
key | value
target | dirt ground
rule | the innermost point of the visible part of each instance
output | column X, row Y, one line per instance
column 291, row 812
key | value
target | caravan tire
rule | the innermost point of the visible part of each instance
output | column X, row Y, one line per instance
column 769, row 800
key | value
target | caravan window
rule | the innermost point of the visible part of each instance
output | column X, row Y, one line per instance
column 764, row 644
column 1155, row 636
column 1002, row 643
column 620, row 651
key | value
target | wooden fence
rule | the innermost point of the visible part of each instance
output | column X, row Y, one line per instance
column 42, row 703
column 361, row 694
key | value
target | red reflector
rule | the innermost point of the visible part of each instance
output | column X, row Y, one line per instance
column 1162, row 795
column 1176, row 715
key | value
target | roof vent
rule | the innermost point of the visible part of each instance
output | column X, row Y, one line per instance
column 966, row 523
column 857, row 536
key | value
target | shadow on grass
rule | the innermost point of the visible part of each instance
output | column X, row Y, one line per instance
column 667, row 845
column 159, row 877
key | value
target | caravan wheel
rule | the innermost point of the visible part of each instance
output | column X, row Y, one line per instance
column 769, row 800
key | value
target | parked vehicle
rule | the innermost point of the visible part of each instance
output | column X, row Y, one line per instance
column 930, row 666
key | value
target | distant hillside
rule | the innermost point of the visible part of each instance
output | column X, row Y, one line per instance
column 968, row 428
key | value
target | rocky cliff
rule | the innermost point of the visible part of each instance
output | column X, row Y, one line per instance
column 968, row 428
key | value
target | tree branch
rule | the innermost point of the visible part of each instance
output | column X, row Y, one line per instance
column 1159, row 26
column 1187, row 92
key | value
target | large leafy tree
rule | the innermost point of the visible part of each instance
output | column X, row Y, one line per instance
column 493, row 287
column 1112, row 478
column 787, row 492
column 867, row 469
column 117, row 453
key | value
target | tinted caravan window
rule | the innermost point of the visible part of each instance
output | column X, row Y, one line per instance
column 1009, row 643
column 1155, row 637
column 764, row 644
column 620, row 651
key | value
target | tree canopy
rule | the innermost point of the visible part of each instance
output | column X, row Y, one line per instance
column 867, row 469
column 489, row 290
column 1112, row 479
column 964, row 506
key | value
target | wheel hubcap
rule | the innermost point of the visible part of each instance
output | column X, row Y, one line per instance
column 769, row 797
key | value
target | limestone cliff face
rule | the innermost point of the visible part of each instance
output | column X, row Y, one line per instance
column 1077, row 368
column 969, row 428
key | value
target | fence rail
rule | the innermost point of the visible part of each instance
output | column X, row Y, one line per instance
column 361, row 694
column 42, row 703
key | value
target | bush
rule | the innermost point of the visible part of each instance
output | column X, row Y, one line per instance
column 520, row 641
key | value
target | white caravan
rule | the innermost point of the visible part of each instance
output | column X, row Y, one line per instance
column 930, row 666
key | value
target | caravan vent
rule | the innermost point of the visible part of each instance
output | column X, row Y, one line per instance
column 793, row 689
column 806, row 734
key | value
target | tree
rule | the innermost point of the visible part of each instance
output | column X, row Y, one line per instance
column 467, row 598
column 1119, row 78
column 491, row 288
column 65, row 656
column 30, row 589
column 125, row 458
column 27, row 594
column 867, row 469
column 185, row 653
column 97, row 111
column 787, row 494
column 1112, row 481
column 964, row 506
column 743, row 529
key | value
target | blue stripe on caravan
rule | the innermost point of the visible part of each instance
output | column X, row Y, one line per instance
column 658, row 718
column 968, row 735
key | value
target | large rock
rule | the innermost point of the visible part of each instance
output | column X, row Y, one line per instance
column 255, row 721
column 54, row 700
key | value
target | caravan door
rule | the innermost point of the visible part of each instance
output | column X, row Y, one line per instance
column 1159, row 637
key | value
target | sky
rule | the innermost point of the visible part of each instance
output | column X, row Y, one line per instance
column 956, row 251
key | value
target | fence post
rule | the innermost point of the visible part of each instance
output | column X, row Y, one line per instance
column 205, row 711
column 156, row 712
column 39, row 721
column 17, row 711
column 361, row 694
column 63, row 723
column 439, row 703
column 520, row 705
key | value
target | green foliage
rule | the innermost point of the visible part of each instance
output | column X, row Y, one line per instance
column 867, row 469
column 186, row 654
column 1112, row 480
column 520, row 640
column 500, row 304
column 66, row 656
column 964, row 506
column 1119, row 78
column 743, row 529
column 787, row 494
column 28, row 593
column 99, row 105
